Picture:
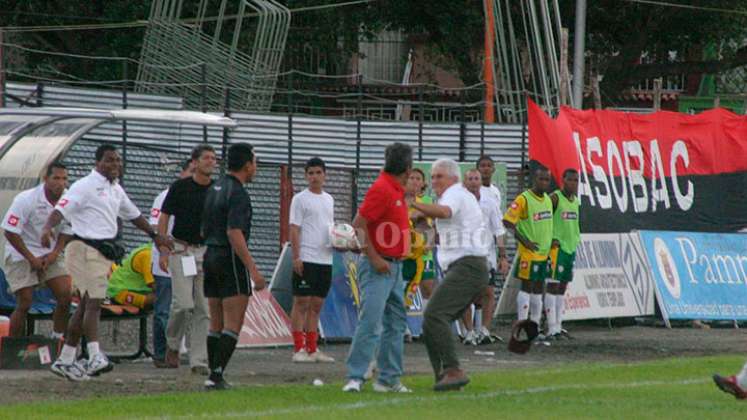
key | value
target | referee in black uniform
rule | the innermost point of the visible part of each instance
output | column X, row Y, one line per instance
column 228, row 264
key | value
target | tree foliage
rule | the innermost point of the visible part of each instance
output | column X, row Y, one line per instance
column 618, row 31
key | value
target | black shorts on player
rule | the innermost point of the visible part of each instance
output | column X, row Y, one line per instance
column 225, row 275
column 316, row 280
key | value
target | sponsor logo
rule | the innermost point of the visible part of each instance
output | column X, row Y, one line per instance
column 667, row 268
column 155, row 212
column 398, row 203
column 63, row 202
column 524, row 265
column 569, row 215
column 13, row 220
column 543, row 215
column 514, row 206
column 636, row 270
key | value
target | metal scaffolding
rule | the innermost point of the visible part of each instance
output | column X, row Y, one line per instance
column 186, row 59
column 525, row 57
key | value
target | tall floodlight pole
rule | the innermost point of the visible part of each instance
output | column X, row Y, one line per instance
column 579, row 45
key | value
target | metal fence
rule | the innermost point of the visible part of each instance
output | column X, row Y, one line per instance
column 354, row 150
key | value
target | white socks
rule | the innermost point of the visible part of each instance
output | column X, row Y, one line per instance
column 478, row 319
column 550, row 313
column 522, row 305
column 93, row 348
column 742, row 377
column 67, row 355
column 535, row 308
column 559, row 307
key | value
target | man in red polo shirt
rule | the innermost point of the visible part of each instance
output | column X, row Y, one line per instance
column 383, row 231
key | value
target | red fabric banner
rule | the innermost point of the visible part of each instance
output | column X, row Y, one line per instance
column 659, row 164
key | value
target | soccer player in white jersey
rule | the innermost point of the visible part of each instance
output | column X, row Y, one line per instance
column 92, row 205
column 487, row 168
column 27, row 263
column 493, row 224
column 311, row 216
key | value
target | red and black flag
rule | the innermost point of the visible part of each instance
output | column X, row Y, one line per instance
column 662, row 171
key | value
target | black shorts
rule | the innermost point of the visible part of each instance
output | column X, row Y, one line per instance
column 316, row 280
column 225, row 274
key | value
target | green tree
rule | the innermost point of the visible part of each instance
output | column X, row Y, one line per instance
column 123, row 42
column 619, row 31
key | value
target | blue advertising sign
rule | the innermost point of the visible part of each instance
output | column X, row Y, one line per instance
column 339, row 315
column 699, row 275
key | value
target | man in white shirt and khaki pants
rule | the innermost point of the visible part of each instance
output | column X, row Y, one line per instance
column 27, row 263
column 92, row 205
column 463, row 246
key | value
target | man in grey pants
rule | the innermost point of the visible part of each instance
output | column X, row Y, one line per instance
column 189, row 308
column 462, row 250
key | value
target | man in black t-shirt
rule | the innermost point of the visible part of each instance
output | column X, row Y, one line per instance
column 185, row 201
column 228, row 266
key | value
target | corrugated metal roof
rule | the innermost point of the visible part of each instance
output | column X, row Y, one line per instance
column 154, row 152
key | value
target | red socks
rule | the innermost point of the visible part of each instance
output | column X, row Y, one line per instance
column 298, row 341
column 311, row 339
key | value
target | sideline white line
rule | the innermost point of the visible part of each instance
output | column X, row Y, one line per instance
column 440, row 397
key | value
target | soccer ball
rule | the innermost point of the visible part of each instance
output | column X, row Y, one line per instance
column 342, row 236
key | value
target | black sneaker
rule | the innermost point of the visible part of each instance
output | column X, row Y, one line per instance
column 216, row 384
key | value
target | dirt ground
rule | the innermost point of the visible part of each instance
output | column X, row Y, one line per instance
column 273, row 366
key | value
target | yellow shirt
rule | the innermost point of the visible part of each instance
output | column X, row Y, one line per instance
column 142, row 264
column 517, row 211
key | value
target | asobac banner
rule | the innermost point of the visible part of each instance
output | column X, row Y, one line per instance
column 699, row 275
column 611, row 278
column 664, row 170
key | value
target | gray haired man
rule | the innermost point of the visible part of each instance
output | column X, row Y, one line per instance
column 463, row 246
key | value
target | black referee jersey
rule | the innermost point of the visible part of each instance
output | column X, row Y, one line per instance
column 227, row 206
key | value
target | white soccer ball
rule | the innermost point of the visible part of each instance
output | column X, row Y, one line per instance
column 318, row 382
column 342, row 236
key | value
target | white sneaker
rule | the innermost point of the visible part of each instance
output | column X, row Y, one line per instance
column 398, row 388
column 470, row 338
column 70, row 371
column 485, row 337
column 320, row 357
column 353, row 385
column 82, row 364
column 98, row 364
column 302, row 357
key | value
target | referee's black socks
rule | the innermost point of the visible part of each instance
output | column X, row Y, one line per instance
column 228, row 341
column 213, row 350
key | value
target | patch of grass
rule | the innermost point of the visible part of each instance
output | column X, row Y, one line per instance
column 670, row 388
